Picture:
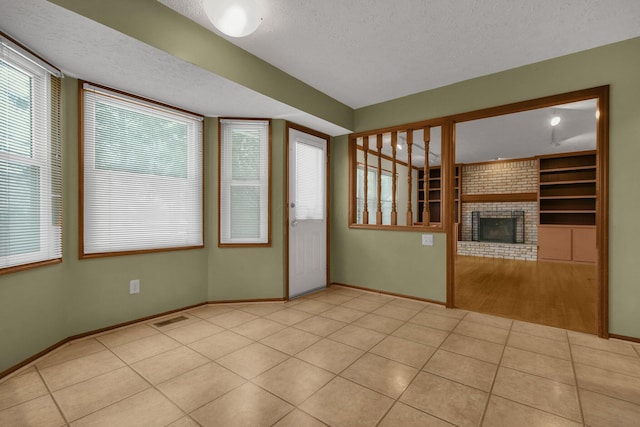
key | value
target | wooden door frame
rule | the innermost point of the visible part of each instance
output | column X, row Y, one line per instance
column 327, row 138
column 601, row 94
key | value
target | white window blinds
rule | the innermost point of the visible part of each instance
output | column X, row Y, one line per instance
column 310, row 181
column 142, row 175
column 30, row 161
column 244, row 182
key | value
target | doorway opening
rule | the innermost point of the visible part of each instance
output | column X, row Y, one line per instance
column 545, row 160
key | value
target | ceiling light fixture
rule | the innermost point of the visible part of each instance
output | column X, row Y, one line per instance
column 235, row 18
column 555, row 120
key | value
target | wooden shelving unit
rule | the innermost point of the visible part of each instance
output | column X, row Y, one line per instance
column 567, row 207
column 568, row 189
column 435, row 195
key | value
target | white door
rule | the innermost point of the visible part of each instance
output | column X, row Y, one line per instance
column 307, row 213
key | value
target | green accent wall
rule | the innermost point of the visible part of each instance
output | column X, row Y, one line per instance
column 390, row 261
column 32, row 317
column 251, row 272
column 159, row 26
column 362, row 257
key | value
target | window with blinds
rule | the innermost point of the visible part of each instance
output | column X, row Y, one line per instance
column 245, row 147
column 30, row 160
column 142, row 167
column 310, row 182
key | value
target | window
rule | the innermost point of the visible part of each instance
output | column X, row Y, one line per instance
column 372, row 196
column 142, row 175
column 30, row 160
column 245, row 147
column 310, row 181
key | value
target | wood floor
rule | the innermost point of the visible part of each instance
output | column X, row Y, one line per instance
column 549, row 293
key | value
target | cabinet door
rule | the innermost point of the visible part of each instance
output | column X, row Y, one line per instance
column 584, row 244
column 554, row 243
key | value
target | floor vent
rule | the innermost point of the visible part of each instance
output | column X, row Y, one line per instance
column 170, row 321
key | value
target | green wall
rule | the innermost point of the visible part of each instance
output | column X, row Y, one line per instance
column 248, row 273
column 358, row 255
column 391, row 261
column 32, row 317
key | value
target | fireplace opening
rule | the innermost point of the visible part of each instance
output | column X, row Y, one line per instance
column 498, row 226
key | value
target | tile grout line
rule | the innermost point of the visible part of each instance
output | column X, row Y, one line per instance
column 188, row 414
column 420, row 370
column 64, row 417
column 637, row 376
column 151, row 385
column 365, row 352
column 335, row 375
column 495, row 376
column 575, row 376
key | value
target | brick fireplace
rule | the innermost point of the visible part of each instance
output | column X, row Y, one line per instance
column 488, row 185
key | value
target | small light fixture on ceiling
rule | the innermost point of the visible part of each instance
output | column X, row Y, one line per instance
column 555, row 120
column 235, row 18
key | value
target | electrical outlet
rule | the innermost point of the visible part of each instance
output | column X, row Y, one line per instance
column 427, row 240
column 134, row 286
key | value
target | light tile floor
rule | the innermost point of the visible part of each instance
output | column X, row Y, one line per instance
column 339, row 357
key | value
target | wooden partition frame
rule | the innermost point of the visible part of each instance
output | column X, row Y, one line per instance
column 353, row 149
column 601, row 94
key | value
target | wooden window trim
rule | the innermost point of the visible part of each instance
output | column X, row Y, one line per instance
column 81, row 253
column 269, row 178
column 55, row 134
column 353, row 164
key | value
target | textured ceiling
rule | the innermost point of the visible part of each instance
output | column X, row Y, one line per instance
column 363, row 52
column 358, row 51
column 90, row 51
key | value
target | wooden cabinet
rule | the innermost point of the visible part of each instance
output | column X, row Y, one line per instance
column 583, row 244
column 434, row 195
column 567, row 243
column 554, row 243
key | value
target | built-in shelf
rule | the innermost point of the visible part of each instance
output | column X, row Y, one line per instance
column 576, row 168
column 567, row 194
column 567, row 197
column 435, row 196
column 577, row 181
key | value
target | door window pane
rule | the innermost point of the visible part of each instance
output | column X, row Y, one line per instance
column 310, row 182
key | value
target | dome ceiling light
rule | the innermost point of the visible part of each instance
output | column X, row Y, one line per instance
column 235, row 18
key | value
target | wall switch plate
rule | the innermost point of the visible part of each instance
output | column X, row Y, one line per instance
column 427, row 240
column 134, row 286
